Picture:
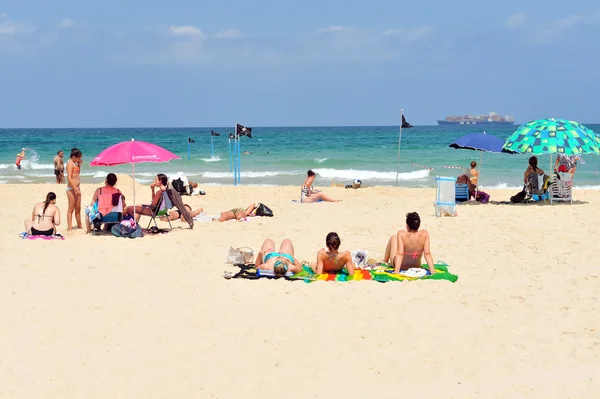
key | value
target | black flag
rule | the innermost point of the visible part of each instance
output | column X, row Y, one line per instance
column 213, row 133
column 190, row 140
column 405, row 124
column 241, row 130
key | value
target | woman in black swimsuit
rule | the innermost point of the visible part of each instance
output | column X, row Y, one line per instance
column 44, row 217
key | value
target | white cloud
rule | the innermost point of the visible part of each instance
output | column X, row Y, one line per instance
column 186, row 31
column 410, row 34
column 12, row 28
column 229, row 34
column 553, row 30
column 334, row 28
column 517, row 20
column 66, row 23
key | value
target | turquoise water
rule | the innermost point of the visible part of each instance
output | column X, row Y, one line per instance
column 281, row 155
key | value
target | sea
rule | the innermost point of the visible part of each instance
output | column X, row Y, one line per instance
column 282, row 155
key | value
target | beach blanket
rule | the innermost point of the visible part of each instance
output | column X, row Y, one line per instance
column 381, row 272
column 24, row 235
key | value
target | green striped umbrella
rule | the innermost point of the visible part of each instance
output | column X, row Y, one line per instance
column 552, row 136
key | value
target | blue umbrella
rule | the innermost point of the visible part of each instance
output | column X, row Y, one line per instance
column 480, row 142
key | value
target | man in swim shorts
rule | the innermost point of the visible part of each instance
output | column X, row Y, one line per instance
column 59, row 167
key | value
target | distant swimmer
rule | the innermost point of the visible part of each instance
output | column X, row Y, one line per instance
column 247, row 153
column 20, row 157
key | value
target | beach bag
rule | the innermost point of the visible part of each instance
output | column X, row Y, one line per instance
column 518, row 197
column 240, row 256
column 179, row 186
column 127, row 229
column 482, row 197
column 263, row 210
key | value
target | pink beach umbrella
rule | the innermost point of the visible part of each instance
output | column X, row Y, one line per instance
column 132, row 152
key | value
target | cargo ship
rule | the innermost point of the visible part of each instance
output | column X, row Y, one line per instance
column 492, row 119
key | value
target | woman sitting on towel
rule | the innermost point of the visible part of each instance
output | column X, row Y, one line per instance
column 532, row 168
column 44, row 217
column 175, row 214
column 238, row 213
column 162, row 183
column 280, row 262
column 330, row 259
column 406, row 249
column 309, row 194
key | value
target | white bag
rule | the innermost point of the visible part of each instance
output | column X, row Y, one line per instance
column 242, row 255
column 359, row 258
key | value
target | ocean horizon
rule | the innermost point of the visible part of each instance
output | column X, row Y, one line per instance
column 282, row 155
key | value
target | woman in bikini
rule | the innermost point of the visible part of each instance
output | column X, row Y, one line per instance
column 238, row 213
column 44, row 217
column 331, row 260
column 162, row 183
column 406, row 249
column 73, row 190
column 280, row 262
column 309, row 194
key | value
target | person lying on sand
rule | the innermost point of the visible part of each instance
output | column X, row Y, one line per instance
column 330, row 259
column 406, row 249
column 238, row 213
column 175, row 214
column 309, row 194
column 280, row 262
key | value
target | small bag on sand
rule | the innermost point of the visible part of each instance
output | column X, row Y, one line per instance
column 240, row 256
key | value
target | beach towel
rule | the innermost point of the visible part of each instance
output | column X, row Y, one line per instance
column 381, row 272
column 57, row 236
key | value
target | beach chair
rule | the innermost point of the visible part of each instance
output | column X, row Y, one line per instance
column 536, row 187
column 161, row 209
column 445, row 196
column 114, row 216
column 561, row 188
column 177, row 202
column 461, row 192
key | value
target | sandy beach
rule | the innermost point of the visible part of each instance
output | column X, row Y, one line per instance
column 104, row 317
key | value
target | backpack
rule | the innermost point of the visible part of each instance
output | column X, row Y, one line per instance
column 518, row 197
column 179, row 186
column 263, row 210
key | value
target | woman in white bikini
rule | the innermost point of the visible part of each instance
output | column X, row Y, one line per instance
column 44, row 217
column 331, row 260
column 406, row 249
column 308, row 194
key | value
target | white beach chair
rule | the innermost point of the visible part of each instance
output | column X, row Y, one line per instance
column 561, row 188
column 445, row 196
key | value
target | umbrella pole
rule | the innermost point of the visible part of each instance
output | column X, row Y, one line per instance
column 478, row 175
column 133, row 180
column 399, row 141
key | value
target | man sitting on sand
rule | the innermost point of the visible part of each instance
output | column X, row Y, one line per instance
column 406, row 249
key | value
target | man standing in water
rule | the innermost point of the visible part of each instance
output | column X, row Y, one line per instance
column 59, row 167
column 20, row 157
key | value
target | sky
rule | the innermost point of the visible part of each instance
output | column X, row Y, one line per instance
column 188, row 63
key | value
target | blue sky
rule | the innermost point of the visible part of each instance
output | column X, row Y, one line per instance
column 68, row 63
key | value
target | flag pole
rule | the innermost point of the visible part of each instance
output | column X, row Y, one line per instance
column 212, row 145
column 230, row 163
column 188, row 148
column 399, row 142
column 235, row 144
column 239, row 163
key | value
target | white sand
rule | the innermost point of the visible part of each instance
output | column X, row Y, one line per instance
column 102, row 317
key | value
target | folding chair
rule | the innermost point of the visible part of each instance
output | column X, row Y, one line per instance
column 114, row 216
column 561, row 188
column 161, row 209
column 445, row 196
column 461, row 192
